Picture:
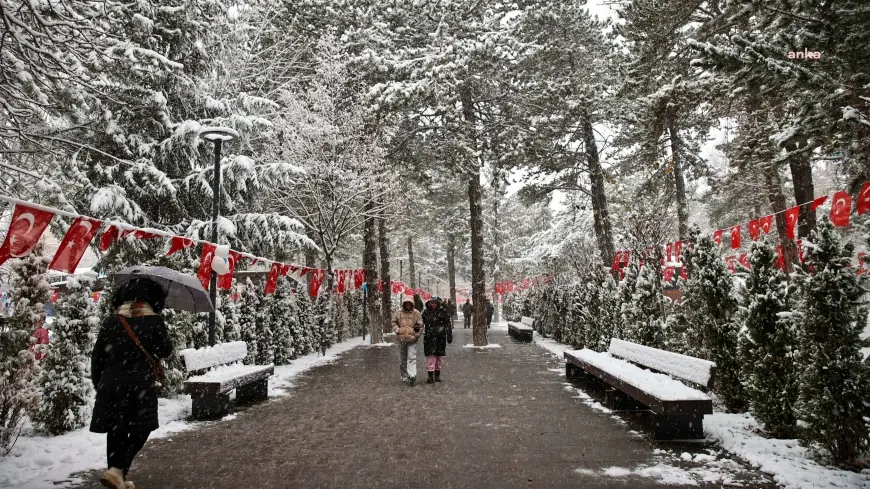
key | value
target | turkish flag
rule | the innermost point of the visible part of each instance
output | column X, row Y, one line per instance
column 292, row 268
column 617, row 260
column 525, row 283
column 284, row 270
column 316, row 280
column 841, row 208
column 744, row 260
column 225, row 281
column 669, row 251
column 272, row 281
column 178, row 243
column 754, row 229
column 340, row 287
column 626, row 256
column 204, row 272
column 139, row 234
column 863, row 204
column 74, row 244
column 717, row 237
column 409, row 291
column 678, row 251
column 735, row 237
column 780, row 258
column 800, row 250
column 27, row 226
column 359, row 276
column 668, row 274
column 731, row 263
column 683, row 274
column 818, row 202
column 108, row 237
column 791, row 220
column 765, row 223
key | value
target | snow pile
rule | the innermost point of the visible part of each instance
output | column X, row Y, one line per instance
column 385, row 343
column 662, row 473
column 557, row 349
column 683, row 366
column 487, row 347
column 211, row 356
column 38, row 462
column 228, row 373
column 658, row 385
column 790, row 464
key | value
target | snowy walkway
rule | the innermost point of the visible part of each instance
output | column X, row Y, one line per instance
column 502, row 418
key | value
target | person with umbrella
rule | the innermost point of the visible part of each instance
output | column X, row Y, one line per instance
column 125, row 362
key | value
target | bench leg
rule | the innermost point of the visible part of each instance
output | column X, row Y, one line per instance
column 210, row 406
column 258, row 391
column 527, row 337
column 678, row 426
column 574, row 372
column 617, row 401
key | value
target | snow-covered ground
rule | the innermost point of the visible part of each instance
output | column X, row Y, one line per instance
column 786, row 461
column 38, row 462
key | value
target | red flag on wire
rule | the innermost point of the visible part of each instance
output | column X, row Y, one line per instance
column 780, row 258
column 818, row 202
column 744, row 260
column 800, row 249
column 717, row 237
column 225, row 281
column 791, row 220
column 678, row 251
column 668, row 274
column 177, row 244
column 204, row 272
column 617, row 260
column 359, row 276
column 765, row 223
column 626, row 257
column 735, row 237
column 683, row 274
column 108, row 237
column 669, row 251
column 74, row 244
column 316, row 281
column 272, row 281
column 863, row 204
column 25, row 229
column 731, row 263
column 841, row 207
column 340, row 287
column 754, row 229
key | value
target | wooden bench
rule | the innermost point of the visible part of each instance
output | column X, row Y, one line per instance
column 216, row 371
column 678, row 409
column 523, row 330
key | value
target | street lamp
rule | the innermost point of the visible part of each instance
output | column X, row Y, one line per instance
column 216, row 135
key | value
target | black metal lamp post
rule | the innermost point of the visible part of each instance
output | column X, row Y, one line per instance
column 216, row 135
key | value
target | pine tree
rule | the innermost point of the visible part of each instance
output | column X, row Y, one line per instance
column 767, row 343
column 19, row 370
column 710, row 305
column 646, row 309
column 624, row 295
column 230, row 311
column 610, row 321
column 263, row 329
column 248, row 309
column 66, row 387
column 834, row 383
column 283, row 307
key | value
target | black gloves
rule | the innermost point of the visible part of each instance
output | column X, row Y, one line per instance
column 416, row 329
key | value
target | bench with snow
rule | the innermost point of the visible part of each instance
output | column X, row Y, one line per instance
column 678, row 409
column 521, row 331
column 214, row 371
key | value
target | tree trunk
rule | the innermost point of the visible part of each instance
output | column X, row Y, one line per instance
column 679, row 180
column 310, row 259
column 496, row 237
column 478, row 274
column 328, row 312
column 777, row 204
column 804, row 191
column 411, row 268
column 370, row 263
column 451, row 270
column 600, row 213
column 387, row 290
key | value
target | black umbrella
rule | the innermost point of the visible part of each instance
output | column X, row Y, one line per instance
column 183, row 292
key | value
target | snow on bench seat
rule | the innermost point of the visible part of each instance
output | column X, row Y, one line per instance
column 226, row 378
column 692, row 369
column 212, row 356
column 655, row 385
column 525, row 324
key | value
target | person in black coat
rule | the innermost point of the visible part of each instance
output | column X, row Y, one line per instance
column 488, row 310
column 437, row 333
column 126, row 384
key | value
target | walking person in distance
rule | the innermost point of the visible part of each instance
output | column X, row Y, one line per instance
column 488, row 310
column 408, row 326
column 125, row 373
column 439, row 332
column 467, row 311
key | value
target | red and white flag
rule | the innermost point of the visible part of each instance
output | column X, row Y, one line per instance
column 678, row 251
column 272, row 281
column 108, row 237
column 744, row 260
column 341, row 277
column 225, row 281
column 791, row 220
column 74, row 244
column 717, row 236
column 177, row 243
column 754, row 229
column 863, row 204
column 765, row 223
column 316, row 280
column 359, row 276
column 731, row 263
column 668, row 274
column 205, row 271
column 841, row 207
column 26, row 228
column 818, row 202
column 735, row 237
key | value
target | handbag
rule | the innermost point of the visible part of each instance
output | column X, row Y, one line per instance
column 156, row 366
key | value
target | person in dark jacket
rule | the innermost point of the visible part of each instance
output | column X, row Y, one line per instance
column 467, row 311
column 126, row 384
column 488, row 310
column 438, row 332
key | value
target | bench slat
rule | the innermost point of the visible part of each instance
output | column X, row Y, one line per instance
column 225, row 380
column 688, row 368
column 211, row 356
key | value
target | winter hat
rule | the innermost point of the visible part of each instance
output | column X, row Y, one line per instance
column 408, row 298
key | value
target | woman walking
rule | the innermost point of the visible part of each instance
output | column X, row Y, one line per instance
column 438, row 332
column 125, row 370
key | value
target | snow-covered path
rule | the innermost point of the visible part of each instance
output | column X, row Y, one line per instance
column 503, row 417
